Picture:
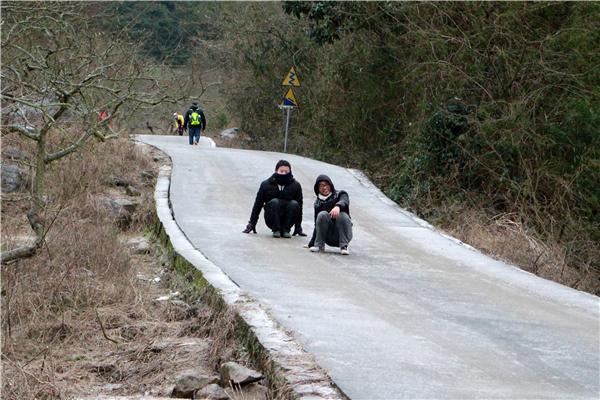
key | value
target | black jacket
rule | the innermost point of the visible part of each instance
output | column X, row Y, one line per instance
column 188, row 116
column 337, row 198
column 269, row 190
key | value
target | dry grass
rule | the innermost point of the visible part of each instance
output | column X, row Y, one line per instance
column 49, row 300
column 82, row 257
column 81, row 317
column 507, row 239
column 219, row 326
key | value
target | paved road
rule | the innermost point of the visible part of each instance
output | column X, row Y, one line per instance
column 410, row 314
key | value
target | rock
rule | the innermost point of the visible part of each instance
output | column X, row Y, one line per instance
column 127, row 204
column 119, row 181
column 169, row 296
column 212, row 392
column 145, row 396
column 130, row 332
column 119, row 209
column 12, row 178
column 116, row 208
column 12, row 153
column 75, row 357
column 185, row 345
column 158, row 158
column 180, row 310
column 149, row 174
column 132, row 191
column 21, row 240
column 140, row 244
column 158, row 347
column 102, row 368
column 111, row 207
column 254, row 391
column 143, row 277
column 228, row 134
column 189, row 381
column 234, row 373
column 109, row 387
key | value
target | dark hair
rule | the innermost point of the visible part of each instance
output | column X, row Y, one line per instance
column 282, row 163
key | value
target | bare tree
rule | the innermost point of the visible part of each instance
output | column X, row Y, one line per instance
column 65, row 84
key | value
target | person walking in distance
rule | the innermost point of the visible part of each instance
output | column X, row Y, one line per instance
column 194, row 123
column 281, row 197
column 178, row 124
column 333, row 225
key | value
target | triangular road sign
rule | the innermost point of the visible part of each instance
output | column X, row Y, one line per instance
column 290, row 99
column 291, row 79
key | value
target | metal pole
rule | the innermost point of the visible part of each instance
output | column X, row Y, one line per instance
column 287, row 125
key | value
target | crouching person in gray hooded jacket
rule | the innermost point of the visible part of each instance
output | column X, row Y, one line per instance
column 333, row 225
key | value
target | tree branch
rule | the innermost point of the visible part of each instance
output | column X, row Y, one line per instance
column 21, row 252
column 69, row 149
column 23, row 131
column 102, row 327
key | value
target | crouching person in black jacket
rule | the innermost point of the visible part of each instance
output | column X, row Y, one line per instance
column 333, row 225
column 281, row 197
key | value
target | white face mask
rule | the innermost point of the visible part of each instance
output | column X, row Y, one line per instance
column 321, row 197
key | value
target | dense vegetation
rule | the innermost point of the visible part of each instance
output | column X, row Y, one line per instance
column 166, row 28
column 459, row 106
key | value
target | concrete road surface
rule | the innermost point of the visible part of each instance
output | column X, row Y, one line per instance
column 410, row 314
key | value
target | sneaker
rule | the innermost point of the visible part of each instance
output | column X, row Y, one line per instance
column 276, row 234
column 286, row 234
column 317, row 249
column 344, row 250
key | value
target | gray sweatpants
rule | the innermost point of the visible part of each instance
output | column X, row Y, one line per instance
column 334, row 232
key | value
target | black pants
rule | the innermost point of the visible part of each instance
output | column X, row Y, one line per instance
column 281, row 215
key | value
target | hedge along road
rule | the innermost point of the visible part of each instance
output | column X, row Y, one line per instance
column 410, row 314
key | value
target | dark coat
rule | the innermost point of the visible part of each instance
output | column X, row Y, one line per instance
column 337, row 198
column 188, row 116
column 269, row 190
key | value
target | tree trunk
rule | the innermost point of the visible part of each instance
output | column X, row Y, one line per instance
column 36, row 209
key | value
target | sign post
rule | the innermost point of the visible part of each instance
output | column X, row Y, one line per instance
column 287, row 126
column 289, row 101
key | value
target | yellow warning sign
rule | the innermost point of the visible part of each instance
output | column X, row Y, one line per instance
column 291, row 78
column 290, row 99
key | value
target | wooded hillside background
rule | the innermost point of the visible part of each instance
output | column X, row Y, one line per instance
column 490, row 110
column 451, row 108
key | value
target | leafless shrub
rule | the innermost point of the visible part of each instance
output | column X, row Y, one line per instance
column 65, row 86
column 25, row 384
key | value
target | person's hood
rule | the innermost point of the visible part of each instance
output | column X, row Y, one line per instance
column 325, row 178
column 194, row 107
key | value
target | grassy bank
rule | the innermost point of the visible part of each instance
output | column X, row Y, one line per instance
column 82, row 317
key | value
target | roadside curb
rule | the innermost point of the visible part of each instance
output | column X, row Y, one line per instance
column 283, row 360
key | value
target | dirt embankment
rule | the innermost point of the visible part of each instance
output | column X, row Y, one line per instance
column 99, row 310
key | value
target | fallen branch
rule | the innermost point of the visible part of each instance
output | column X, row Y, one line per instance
column 102, row 327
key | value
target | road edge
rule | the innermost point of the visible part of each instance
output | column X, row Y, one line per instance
column 278, row 352
column 495, row 268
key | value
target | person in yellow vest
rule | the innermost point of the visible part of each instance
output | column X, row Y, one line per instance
column 178, row 123
column 194, row 123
